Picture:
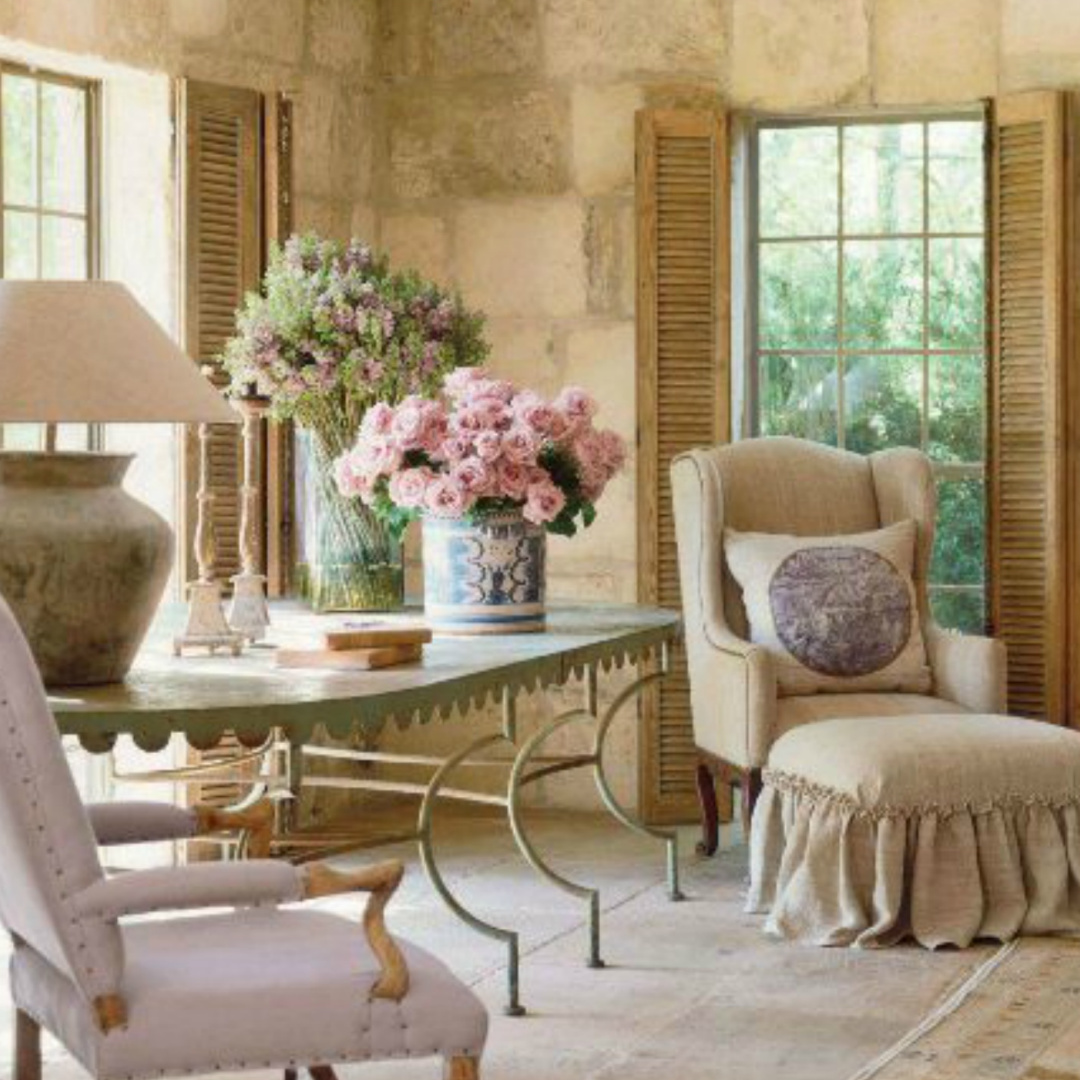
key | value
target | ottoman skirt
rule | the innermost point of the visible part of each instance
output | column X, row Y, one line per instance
column 940, row 828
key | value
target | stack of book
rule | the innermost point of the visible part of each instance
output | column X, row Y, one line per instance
column 360, row 648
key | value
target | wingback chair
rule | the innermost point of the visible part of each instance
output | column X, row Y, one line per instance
column 258, row 987
column 784, row 485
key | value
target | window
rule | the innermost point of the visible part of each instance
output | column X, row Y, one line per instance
column 868, row 318
column 48, row 224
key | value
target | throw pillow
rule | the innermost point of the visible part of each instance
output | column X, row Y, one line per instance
column 838, row 612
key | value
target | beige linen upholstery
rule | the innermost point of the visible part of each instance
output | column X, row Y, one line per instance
column 800, row 488
column 793, row 712
column 258, row 987
column 942, row 828
column 140, row 822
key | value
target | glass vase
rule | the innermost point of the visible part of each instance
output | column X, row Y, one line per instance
column 351, row 562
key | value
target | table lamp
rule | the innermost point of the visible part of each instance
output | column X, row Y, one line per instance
column 83, row 563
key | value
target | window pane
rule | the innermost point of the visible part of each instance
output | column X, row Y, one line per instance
column 957, row 298
column 957, row 176
column 882, row 402
column 20, row 245
column 959, row 556
column 63, row 248
column 957, row 418
column 63, row 148
column 960, row 609
column 797, row 179
column 798, row 295
column 883, row 178
column 798, row 397
column 19, row 134
column 23, row 436
column 883, row 293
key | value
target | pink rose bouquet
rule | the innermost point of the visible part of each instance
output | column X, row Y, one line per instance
column 483, row 447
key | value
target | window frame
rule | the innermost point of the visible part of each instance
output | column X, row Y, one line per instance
column 95, row 433
column 749, row 332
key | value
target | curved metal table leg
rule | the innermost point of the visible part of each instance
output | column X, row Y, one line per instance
column 670, row 838
column 517, row 825
column 427, row 856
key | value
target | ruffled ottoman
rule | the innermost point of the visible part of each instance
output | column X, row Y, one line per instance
column 940, row 828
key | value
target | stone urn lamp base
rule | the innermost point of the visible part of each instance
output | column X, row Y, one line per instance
column 83, row 564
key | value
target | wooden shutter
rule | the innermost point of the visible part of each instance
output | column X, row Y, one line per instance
column 221, row 202
column 683, row 344
column 1030, row 387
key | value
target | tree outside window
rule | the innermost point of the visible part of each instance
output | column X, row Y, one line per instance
column 869, row 322
column 47, row 223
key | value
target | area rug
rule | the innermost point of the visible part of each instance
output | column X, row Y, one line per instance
column 1017, row 1017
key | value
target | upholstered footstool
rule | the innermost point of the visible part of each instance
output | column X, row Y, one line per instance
column 941, row 828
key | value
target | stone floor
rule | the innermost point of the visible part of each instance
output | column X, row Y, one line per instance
column 692, row 990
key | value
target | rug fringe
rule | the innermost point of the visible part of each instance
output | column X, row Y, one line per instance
column 940, row 1013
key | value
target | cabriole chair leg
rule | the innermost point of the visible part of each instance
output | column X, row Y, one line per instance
column 291, row 1074
column 750, row 783
column 710, row 812
column 322, row 1072
column 462, row 1068
column 27, row 1047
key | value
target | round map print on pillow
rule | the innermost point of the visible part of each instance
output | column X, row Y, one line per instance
column 841, row 611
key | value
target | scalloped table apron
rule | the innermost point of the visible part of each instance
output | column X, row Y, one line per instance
column 204, row 697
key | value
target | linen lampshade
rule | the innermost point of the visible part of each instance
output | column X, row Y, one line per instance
column 88, row 352
column 83, row 563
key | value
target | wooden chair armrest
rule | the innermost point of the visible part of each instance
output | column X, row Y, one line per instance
column 381, row 880
column 257, row 821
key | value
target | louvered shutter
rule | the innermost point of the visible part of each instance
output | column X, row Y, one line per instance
column 1028, row 519
column 221, row 182
column 683, row 342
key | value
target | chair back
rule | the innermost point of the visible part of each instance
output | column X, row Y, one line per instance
column 48, row 854
column 800, row 488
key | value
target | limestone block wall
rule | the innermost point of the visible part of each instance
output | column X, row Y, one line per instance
column 320, row 50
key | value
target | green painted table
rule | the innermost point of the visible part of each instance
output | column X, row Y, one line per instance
column 204, row 697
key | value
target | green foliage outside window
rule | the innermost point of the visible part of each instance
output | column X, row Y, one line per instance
column 870, row 319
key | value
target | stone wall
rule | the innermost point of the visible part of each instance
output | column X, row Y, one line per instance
column 320, row 50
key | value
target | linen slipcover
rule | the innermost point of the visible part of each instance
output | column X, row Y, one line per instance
column 943, row 828
column 800, row 488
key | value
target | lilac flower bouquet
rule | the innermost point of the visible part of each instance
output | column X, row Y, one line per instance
column 333, row 333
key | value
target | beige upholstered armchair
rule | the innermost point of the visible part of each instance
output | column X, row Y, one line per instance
column 258, row 987
column 783, row 485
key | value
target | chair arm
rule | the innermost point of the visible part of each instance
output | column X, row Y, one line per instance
column 116, row 823
column 381, row 881
column 197, row 885
column 969, row 670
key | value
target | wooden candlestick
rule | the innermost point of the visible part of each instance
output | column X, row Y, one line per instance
column 206, row 626
column 248, row 614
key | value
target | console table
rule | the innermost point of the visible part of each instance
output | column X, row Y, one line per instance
column 204, row 697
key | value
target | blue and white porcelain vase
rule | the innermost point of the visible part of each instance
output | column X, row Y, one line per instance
column 485, row 575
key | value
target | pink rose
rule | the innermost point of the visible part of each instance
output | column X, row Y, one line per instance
column 408, row 487
column 513, row 479
column 353, row 482
column 534, row 412
column 576, row 406
column 488, row 446
column 543, row 502
column 612, row 449
column 589, row 452
column 377, row 419
column 377, row 456
column 521, row 445
column 473, row 475
column 456, row 383
column 446, row 498
column 453, row 448
column 409, row 426
column 485, row 387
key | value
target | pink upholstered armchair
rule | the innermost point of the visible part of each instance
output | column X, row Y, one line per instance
column 800, row 488
column 261, row 986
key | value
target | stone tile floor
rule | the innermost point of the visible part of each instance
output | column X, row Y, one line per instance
column 692, row 990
